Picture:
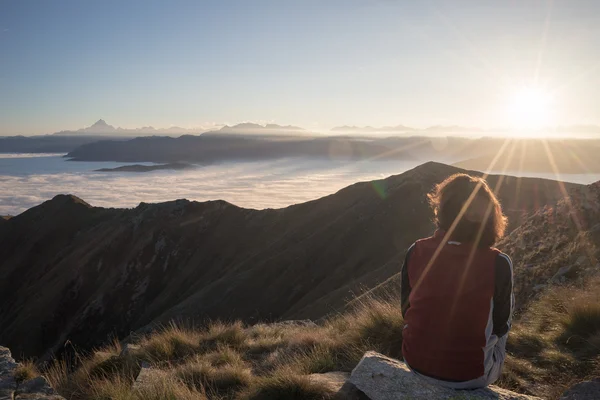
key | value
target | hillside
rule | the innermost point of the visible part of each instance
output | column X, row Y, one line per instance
column 552, row 246
column 118, row 270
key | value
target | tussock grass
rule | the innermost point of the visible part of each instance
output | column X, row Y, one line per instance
column 224, row 356
column 166, row 388
column 172, row 343
column 582, row 327
column 285, row 384
column 26, row 370
column 374, row 323
column 110, row 389
column 224, row 380
column 218, row 333
column 103, row 365
column 555, row 341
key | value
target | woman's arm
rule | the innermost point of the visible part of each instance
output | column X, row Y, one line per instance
column 504, row 299
column 405, row 283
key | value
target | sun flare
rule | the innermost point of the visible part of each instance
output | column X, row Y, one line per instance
column 529, row 108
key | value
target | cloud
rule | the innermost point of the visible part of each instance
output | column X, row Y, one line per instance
column 257, row 185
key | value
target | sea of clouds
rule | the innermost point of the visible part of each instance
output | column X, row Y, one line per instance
column 25, row 183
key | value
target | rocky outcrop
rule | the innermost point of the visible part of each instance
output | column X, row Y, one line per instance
column 10, row 388
column 589, row 390
column 382, row 378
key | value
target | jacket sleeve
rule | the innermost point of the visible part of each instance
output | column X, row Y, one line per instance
column 504, row 300
column 405, row 287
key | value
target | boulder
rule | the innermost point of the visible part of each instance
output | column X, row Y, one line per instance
column 147, row 375
column 588, row 390
column 383, row 378
column 8, row 384
column 129, row 349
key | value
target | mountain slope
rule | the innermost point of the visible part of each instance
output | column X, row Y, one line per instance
column 69, row 271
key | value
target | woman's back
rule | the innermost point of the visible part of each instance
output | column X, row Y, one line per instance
column 450, row 316
column 457, row 297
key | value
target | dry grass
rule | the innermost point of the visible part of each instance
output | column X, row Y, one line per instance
column 170, row 344
column 230, row 361
column 286, row 384
column 221, row 381
column 555, row 342
column 26, row 370
column 218, row 333
column 103, row 365
column 166, row 388
column 373, row 323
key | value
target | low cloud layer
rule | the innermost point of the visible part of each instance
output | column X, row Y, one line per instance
column 253, row 185
column 27, row 182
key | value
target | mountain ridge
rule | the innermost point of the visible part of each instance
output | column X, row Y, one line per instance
column 120, row 270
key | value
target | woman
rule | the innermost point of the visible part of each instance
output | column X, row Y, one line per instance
column 457, row 291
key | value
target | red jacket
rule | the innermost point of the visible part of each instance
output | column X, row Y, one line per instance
column 453, row 307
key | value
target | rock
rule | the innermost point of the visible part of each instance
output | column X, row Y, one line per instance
column 588, row 390
column 300, row 323
column 8, row 384
column 36, row 385
column 146, row 376
column 382, row 378
column 129, row 349
column 33, row 389
column 350, row 392
column 539, row 287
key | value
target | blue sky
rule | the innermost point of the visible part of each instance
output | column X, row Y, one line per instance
column 318, row 64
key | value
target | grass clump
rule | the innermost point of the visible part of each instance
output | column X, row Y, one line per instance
column 25, row 371
column 374, row 323
column 171, row 344
column 224, row 380
column 221, row 334
column 224, row 356
column 287, row 385
column 110, row 389
column 582, row 327
column 163, row 388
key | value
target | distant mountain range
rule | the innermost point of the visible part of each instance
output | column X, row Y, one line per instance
column 70, row 271
column 248, row 127
column 101, row 128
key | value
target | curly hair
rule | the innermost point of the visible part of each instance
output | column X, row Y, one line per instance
column 466, row 207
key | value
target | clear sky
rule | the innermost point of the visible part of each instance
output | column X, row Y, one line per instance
column 313, row 63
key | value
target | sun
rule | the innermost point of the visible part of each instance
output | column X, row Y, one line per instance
column 529, row 108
